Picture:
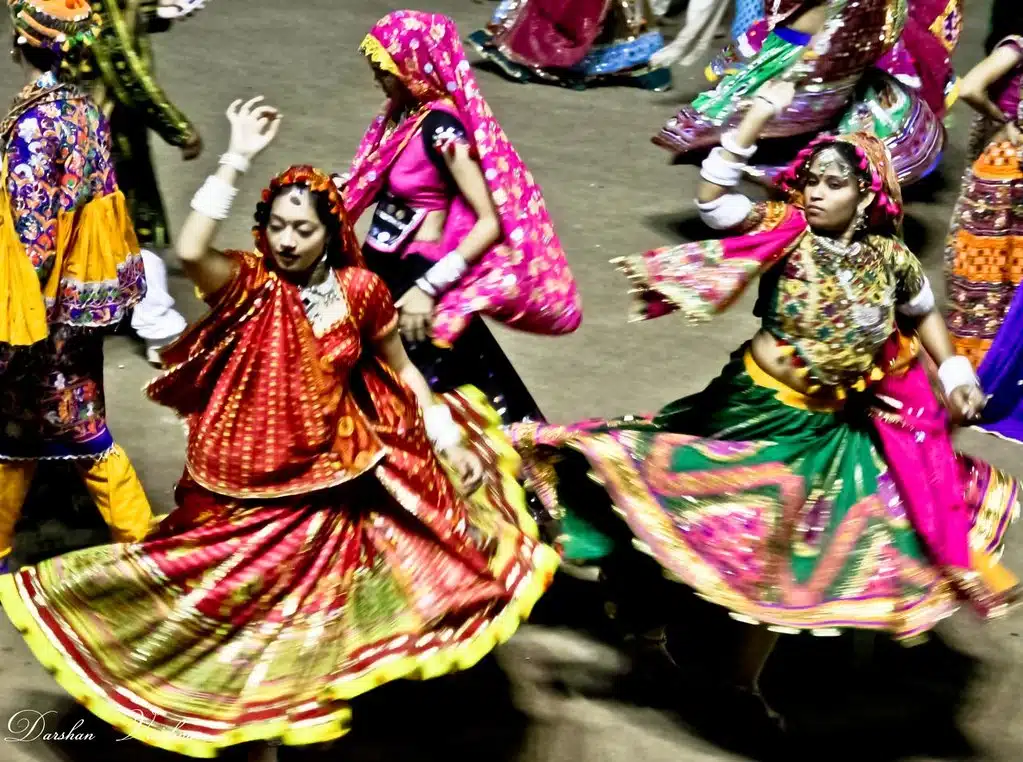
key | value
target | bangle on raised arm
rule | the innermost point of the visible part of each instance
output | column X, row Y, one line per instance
column 729, row 143
column 235, row 161
column 721, row 171
column 214, row 198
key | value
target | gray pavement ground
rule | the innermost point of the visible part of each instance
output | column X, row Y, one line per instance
column 552, row 694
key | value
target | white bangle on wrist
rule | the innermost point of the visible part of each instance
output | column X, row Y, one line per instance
column 426, row 287
column 443, row 275
column 214, row 198
column 955, row 372
column 728, row 142
column 235, row 161
column 721, row 171
column 441, row 428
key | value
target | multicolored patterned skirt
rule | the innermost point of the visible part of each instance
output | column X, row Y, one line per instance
column 984, row 253
column 614, row 59
column 52, row 404
column 254, row 620
column 873, row 102
column 765, row 502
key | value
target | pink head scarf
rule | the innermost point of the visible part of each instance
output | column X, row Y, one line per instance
column 524, row 281
column 705, row 277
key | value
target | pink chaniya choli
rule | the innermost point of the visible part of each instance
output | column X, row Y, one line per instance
column 524, row 280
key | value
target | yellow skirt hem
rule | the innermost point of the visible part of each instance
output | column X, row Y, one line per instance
column 451, row 659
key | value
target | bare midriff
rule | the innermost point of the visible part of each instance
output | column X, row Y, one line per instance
column 432, row 228
column 779, row 364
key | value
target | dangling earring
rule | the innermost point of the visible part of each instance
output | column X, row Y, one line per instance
column 860, row 222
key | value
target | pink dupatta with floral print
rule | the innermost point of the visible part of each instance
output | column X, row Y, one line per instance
column 524, row 281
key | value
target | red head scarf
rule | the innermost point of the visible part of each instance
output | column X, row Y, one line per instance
column 345, row 251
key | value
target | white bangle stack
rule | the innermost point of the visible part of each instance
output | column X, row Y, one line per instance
column 441, row 428
column 443, row 275
column 729, row 143
column 721, row 171
column 214, row 198
column 955, row 372
column 235, row 161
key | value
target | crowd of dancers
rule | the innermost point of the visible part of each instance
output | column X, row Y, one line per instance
column 371, row 493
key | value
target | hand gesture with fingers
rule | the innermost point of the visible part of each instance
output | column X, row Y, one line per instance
column 253, row 126
column 468, row 466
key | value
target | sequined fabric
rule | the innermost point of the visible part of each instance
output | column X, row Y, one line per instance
column 242, row 620
column 838, row 310
column 985, row 250
column 839, row 88
column 574, row 44
column 319, row 548
column 64, row 208
column 784, row 515
column 52, row 403
column 58, row 161
column 258, row 352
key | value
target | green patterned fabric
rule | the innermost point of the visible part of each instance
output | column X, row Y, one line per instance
column 121, row 67
column 775, row 58
column 784, row 515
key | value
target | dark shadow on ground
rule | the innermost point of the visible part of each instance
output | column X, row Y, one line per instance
column 59, row 516
column 853, row 697
column 927, row 190
column 914, row 233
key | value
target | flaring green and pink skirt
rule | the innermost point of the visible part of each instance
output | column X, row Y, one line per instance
column 783, row 510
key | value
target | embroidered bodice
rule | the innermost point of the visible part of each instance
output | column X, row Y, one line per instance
column 833, row 305
column 418, row 183
column 836, row 306
column 63, row 220
column 58, row 159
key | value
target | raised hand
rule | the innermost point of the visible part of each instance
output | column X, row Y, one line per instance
column 253, row 126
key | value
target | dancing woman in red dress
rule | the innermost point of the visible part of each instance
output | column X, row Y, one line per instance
column 319, row 548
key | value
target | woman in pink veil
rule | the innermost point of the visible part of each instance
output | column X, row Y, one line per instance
column 460, row 228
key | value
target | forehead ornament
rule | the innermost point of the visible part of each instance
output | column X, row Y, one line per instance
column 832, row 159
